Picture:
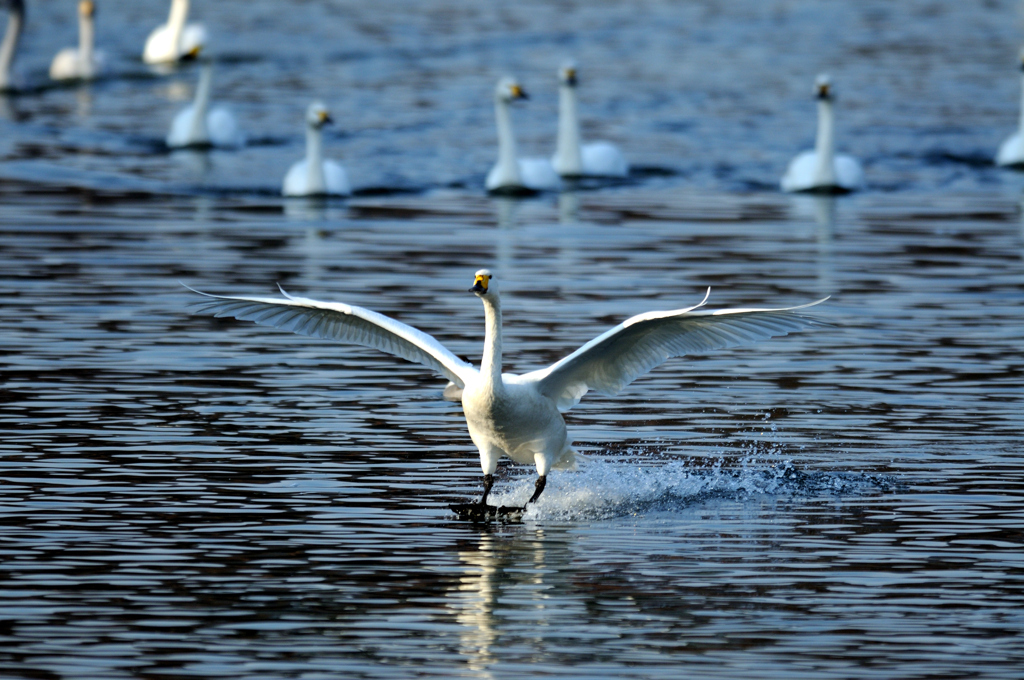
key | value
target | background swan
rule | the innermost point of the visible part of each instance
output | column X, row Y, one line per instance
column 571, row 159
column 520, row 416
column 822, row 170
column 1011, row 152
column 200, row 125
column 314, row 175
column 511, row 174
column 174, row 40
column 83, row 61
column 15, row 24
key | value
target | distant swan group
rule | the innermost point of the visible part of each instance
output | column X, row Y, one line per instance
column 204, row 125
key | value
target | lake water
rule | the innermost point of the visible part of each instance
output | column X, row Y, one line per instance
column 183, row 496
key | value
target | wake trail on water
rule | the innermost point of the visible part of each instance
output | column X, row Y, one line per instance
column 605, row 487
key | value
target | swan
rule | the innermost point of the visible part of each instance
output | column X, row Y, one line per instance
column 520, row 416
column 822, row 170
column 314, row 175
column 1011, row 152
column 174, row 40
column 15, row 23
column 82, row 62
column 597, row 159
column 511, row 174
column 199, row 125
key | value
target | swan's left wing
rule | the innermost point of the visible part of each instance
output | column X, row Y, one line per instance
column 616, row 358
column 338, row 321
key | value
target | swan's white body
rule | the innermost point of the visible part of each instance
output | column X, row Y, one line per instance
column 822, row 169
column 520, row 416
column 511, row 173
column 9, row 47
column 314, row 175
column 1011, row 151
column 573, row 158
column 200, row 125
column 176, row 39
column 82, row 62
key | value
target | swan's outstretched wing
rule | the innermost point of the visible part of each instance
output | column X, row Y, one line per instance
column 338, row 321
column 613, row 360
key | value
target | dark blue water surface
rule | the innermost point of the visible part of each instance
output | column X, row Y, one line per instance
column 182, row 496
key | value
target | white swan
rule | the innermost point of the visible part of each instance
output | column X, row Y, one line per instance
column 511, row 174
column 199, row 125
column 1011, row 152
column 520, row 416
column 822, row 170
column 174, row 40
column 82, row 62
column 571, row 159
column 15, row 23
column 314, row 175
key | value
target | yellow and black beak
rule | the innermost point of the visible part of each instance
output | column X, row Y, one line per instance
column 570, row 76
column 480, row 284
column 325, row 118
column 824, row 91
column 519, row 93
column 193, row 53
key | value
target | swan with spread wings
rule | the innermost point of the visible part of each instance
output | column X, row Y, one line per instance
column 520, row 416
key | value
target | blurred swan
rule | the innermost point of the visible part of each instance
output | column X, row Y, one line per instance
column 174, row 40
column 822, row 170
column 199, row 125
column 596, row 159
column 84, row 61
column 1011, row 152
column 314, row 175
column 511, row 174
column 15, row 24
column 520, row 416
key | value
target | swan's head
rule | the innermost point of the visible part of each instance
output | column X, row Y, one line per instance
column 823, row 87
column 87, row 8
column 483, row 283
column 567, row 73
column 317, row 115
column 509, row 90
column 13, row 6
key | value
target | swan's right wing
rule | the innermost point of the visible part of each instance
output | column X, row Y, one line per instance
column 616, row 358
column 338, row 321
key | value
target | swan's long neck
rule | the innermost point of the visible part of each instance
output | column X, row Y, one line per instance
column 1022, row 105
column 197, row 133
column 568, row 157
column 490, row 363
column 15, row 19
column 86, row 40
column 315, row 183
column 509, row 167
column 825, row 147
column 176, row 21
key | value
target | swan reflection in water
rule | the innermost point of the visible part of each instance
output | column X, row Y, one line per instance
column 822, row 210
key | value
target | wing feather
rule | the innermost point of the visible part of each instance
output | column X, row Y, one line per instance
column 616, row 358
column 338, row 321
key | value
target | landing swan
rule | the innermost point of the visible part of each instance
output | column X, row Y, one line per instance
column 198, row 125
column 520, row 416
column 314, row 175
column 1011, row 152
column 15, row 23
column 174, row 40
column 822, row 170
column 571, row 159
column 82, row 62
column 511, row 174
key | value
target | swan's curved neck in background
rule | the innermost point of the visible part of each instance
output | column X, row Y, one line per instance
column 568, row 157
column 15, row 19
column 825, row 146
column 490, row 363
column 315, row 183
column 507, row 163
column 1022, row 103
column 176, row 21
column 198, row 134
